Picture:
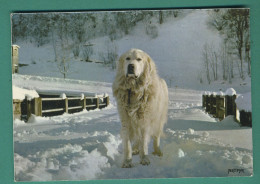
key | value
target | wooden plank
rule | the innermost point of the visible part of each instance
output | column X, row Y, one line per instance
column 52, row 110
column 76, row 107
column 51, row 99
column 222, row 108
column 91, row 98
column 74, row 98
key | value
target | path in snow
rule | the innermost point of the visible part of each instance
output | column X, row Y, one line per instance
column 87, row 145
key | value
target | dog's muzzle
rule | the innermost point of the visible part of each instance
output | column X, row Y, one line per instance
column 131, row 69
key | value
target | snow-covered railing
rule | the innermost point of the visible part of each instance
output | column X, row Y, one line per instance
column 51, row 106
column 221, row 105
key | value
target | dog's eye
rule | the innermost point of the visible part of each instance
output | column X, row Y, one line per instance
column 139, row 59
column 128, row 58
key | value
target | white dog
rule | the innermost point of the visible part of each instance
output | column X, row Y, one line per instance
column 142, row 102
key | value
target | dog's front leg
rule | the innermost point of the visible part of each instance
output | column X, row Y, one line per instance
column 144, row 160
column 127, row 163
column 156, row 146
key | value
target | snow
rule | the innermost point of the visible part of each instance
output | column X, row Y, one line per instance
column 230, row 92
column 221, row 93
column 61, row 87
column 63, row 96
column 244, row 102
column 21, row 94
column 87, row 145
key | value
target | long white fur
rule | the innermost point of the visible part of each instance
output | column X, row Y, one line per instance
column 145, row 116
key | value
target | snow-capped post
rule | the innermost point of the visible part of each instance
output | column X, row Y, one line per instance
column 230, row 104
column 244, row 106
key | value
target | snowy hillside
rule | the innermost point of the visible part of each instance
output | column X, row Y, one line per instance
column 177, row 52
column 87, row 145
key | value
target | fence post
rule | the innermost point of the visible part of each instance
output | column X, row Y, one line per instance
column 97, row 103
column 203, row 100
column 37, row 106
column 84, row 103
column 207, row 103
column 234, row 108
column 218, row 106
column 246, row 118
column 107, row 100
column 28, row 108
column 227, row 106
column 211, row 111
column 17, row 109
column 66, row 105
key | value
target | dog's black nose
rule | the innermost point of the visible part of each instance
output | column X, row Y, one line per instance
column 130, row 69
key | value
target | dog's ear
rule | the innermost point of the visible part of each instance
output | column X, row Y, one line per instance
column 150, row 63
column 120, row 64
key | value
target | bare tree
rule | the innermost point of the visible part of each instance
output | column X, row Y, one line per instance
column 110, row 56
column 62, row 48
column 233, row 24
column 88, row 51
column 224, row 61
column 211, row 62
column 206, row 58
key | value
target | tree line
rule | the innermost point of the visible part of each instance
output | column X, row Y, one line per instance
column 233, row 55
column 70, row 33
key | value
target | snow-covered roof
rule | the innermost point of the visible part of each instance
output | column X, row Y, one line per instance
column 65, row 92
column 21, row 93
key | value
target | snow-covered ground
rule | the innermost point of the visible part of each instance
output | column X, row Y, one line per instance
column 87, row 145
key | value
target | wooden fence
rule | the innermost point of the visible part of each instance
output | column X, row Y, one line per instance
column 221, row 106
column 56, row 106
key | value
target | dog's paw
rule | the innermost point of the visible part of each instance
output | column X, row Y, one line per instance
column 158, row 153
column 145, row 161
column 127, row 163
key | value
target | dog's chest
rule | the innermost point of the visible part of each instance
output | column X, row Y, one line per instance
column 134, row 103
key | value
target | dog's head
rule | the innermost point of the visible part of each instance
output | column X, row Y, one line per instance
column 134, row 63
column 135, row 69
